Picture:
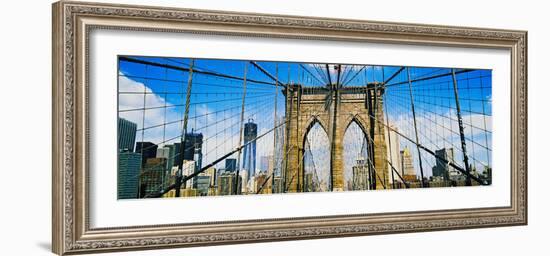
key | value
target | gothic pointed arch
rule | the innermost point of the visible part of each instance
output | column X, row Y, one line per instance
column 316, row 158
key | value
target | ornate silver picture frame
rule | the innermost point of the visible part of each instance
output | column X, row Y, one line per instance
column 74, row 21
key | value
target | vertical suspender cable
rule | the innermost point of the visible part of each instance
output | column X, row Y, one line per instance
column 415, row 128
column 236, row 189
column 275, row 133
column 184, row 128
column 461, row 129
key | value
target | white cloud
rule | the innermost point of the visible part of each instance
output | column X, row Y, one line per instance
column 437, row 132
column 220, row 133
column 443, row 126
column 136, row 100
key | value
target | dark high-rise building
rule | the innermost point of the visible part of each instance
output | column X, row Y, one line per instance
column 147, row 150
column 129, row 165
column 126, row 135
column 202, row 184
column 487, row 174
column 193, row 149
column 441, row 168
column 308, row 182
column 230, row 164
column 177, row 154
column 152, row 177
column 249, row 158
column 226, row 183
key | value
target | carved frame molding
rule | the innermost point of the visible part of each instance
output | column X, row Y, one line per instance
column 72, row 23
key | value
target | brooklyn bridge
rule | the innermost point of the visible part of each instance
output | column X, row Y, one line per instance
column 202, row 127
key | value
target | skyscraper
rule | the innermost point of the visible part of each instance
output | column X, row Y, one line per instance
column 230, row 164
column 360, row 180
column 152, row 176
column 171, row 176
column 202, row 183
column 249, row 158
column 487, row 174
column 442, row 168
column 407, row 167
column 244, row 180
column 212, row 172
column 168, row 152
column 188, row 168
column 263, row 186
column 129, row 164
column 126, row 135
column 192, row 150
column 147, row 150
column 178, row 155
column 308, row 182
column 393, row 152
column 163, row 152
column 226, row 183
column 264, row 162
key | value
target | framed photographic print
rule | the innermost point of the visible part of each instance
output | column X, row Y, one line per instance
column 243, row 127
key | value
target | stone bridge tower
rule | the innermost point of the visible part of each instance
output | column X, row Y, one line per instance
column 334, row 109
